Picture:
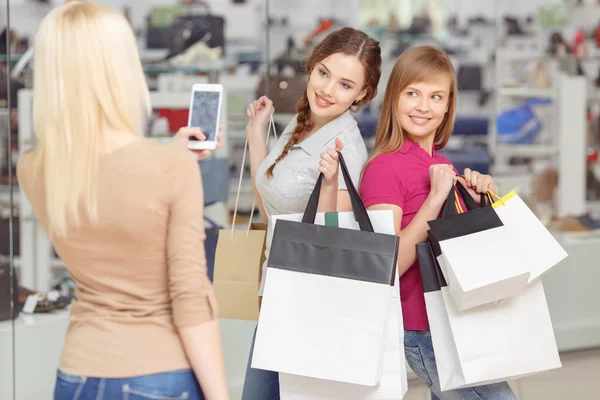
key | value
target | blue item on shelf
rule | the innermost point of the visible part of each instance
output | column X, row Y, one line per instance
column 520, row 125
column 475, row 158
column 367, row 124
column 471, row 126
column 215, row 179
column 468, row 126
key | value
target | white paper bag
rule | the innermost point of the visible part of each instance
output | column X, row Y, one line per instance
column 539, row 249
column 321, row 326
column 480, row 259
column 393, row 385
column 487, row 344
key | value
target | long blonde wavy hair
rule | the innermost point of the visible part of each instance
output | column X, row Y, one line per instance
column 88, row 79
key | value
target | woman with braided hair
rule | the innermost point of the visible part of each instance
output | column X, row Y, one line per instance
column 344, row 71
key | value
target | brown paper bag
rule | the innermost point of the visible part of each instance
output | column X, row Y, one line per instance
column 238, row 270
column 239, row 258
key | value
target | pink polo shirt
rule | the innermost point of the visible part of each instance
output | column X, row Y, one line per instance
column 402, row 178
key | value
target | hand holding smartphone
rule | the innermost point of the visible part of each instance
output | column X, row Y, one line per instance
column 205, row 113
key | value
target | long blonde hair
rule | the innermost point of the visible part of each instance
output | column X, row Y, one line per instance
column 416, row 64
column 87, row 79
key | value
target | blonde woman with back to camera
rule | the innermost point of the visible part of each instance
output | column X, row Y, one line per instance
column 125, row 214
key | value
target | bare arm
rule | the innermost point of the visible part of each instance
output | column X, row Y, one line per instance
column 442, row 178
column 332, row 199
column 203, row 348
column 257, row 147
column 192, row 301
column 259, row 112
column 343, row 201
column 415, row 232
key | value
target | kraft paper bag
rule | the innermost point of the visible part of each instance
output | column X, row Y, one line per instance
column 238, row 261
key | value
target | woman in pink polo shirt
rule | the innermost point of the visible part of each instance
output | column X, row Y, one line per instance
column 405, row 174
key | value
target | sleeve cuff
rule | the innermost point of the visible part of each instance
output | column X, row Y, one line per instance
column 368, row 202
column 196, row 312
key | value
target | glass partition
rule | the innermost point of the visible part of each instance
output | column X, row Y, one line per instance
column 507, row 54
column 9, row 301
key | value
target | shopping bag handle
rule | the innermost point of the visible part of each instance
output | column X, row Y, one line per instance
column 458, row 191
column 237, row 197
column 432, row 278
column 487, row 199
column 360, row 212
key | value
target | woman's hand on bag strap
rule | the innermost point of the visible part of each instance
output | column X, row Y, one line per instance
column 480, row 183
column 443, row 178
column 329, row 165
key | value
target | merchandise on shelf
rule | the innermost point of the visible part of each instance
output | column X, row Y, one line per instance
column 520, row 125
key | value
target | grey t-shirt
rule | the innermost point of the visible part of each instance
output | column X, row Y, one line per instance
column 295, row 176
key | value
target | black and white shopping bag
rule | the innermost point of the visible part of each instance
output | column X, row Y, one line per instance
column 480, row 258
column 328, row 295
column 490, row 343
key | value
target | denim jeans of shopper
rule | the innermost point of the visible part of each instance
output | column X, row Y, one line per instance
column 418, row 349
column 259, row 384
column 163, row 386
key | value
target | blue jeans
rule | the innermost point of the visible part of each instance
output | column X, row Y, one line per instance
column 259, row 384
column 418, row 349
column 164, row 386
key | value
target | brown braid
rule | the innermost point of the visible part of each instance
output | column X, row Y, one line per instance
column 348, row 41
column 304, row 125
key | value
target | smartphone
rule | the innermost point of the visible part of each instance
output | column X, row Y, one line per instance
column 205, row 113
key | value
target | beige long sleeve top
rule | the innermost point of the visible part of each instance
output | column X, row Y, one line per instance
column 140, row 269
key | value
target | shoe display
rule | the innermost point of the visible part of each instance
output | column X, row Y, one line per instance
column 66, row 287
column 588, row 221
column 42, row 303
column 568, row 224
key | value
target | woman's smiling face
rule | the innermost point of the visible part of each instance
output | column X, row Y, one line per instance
column 334, row 85
column 422, row 106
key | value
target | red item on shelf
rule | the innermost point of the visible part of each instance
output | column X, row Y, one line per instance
column 592, row 157
column 177, row 118
column 579, row 41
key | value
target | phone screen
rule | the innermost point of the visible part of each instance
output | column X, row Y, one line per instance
column 205, row 110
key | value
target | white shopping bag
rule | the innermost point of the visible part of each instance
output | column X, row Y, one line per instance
column 326, row 327
column 539, row 249
column 480, row 258
column 393, row 385
column 487, row 344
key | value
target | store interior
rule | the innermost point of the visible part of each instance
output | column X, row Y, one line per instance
column 528, row 114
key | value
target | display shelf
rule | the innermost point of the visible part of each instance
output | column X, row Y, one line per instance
column 593, row 94
column 526, row 92
column 528, row 150
column 565, row 131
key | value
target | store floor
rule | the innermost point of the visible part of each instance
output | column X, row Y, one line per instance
column 577, row 380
